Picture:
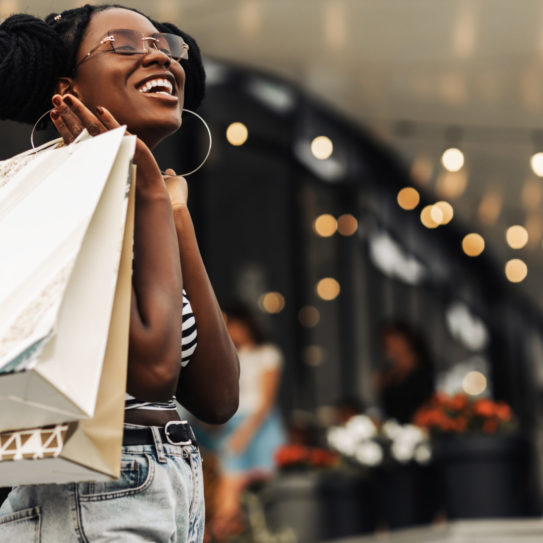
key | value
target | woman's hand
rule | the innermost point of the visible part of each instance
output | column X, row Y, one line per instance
column 71, row 117
column 177, row 188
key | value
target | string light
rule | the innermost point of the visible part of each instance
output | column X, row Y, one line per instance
column 516, row 270
column 347, row 225
column 447, row 211
column 536, row 162
column 408, row 198
column 271, row 302
column 237, row 134
column 325, row 225
column 473, row 244
column 322, row 147
column 452, row 159
column 516, row 236
column 309, row 316
column 426, row 218
column 474, row 383
column 328, row 288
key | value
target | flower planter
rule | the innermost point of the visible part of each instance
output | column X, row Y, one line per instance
column 292, row 500
column 406, row 495
column 348, row 504
column 485, row 476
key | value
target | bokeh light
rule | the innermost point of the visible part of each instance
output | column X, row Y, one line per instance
column 237, row 134
column 309, row 316
column 408, row 198
column 474, row 383
column 347, row 225
column 536, row 162
column 271, row 302
column 426, row 217
column 322, row 147
column 516, row 270
column 328, row 288
column 452, row 159
column 325, row 225
column 473, row 244
column 447, row 211
column 516, row 236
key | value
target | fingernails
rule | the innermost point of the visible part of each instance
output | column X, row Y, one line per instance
column 57, row 100
column 54, row 115
column 68, row 100
column 100, row 110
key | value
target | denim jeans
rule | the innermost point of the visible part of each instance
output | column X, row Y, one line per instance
column 159, row 497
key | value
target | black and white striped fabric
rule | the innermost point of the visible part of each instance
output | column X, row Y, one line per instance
column 188, row 346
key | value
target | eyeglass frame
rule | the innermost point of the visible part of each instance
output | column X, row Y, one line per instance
column 111, row 39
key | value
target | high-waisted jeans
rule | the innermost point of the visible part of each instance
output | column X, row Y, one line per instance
column 158, row 498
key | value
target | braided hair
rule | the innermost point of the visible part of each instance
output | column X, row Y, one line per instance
column 35, row 53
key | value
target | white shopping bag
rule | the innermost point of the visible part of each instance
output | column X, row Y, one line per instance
column 89, row 449
column 62, row 219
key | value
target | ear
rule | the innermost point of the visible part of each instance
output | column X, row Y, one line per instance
column 66, row 85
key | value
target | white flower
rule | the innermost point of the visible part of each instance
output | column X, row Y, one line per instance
column 391, row 429
column 361, row 427
column 402, row 451
column 342, row 441
column 423, row 453
column 369, row 453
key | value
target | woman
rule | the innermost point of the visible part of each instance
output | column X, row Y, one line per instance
column 408, row 380
column 101, row 67
column 246, row 444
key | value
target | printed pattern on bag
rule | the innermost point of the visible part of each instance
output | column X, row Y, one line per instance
column 33, row 444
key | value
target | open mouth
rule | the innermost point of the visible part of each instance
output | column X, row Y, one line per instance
column 157, row 86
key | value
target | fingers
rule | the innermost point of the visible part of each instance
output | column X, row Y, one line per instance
column 71, row 117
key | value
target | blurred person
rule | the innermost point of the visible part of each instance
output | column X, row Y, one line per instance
column 407, row 381
column 100, row 67
column 245, row 445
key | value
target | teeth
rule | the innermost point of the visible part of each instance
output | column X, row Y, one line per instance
column 164, row 83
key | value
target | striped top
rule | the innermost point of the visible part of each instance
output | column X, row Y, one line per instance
column 188, row 346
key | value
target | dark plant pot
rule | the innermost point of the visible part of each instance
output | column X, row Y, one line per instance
column 292, row 500
column 406, row 495
column 349, row 505
column 485, row 476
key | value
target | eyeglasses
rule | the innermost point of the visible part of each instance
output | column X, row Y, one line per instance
column 133, row 42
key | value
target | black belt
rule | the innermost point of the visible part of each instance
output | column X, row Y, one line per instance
column 175, row 433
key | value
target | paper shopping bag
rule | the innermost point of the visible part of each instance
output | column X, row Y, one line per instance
column 89, row 449
column 62, row 217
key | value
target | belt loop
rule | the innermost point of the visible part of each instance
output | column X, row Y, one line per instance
column 161, row 457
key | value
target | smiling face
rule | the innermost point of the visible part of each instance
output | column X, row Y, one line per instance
column 145, row 92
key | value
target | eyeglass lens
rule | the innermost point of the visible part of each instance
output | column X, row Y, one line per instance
column 129, row 42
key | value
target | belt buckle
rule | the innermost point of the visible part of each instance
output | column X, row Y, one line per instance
column 167, row 433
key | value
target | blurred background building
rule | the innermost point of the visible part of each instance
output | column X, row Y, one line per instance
column 371, row 160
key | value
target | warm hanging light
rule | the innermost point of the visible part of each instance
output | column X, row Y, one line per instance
column 452, row 159
column 309, row 316
column 427, row 219
column 325, row 225
column 271, row 302
column 516, row 236
column 473, row 244
column 322, row 147
column 447, row 211
column 328, row 288
column 408, row 198
column 516, row 270
column 347, row 225
column 237, row 134
column 536, row 162
column 474, row 383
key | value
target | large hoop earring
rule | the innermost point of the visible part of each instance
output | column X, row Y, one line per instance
column 209, row 147
column 184, row 109
column 36, row 126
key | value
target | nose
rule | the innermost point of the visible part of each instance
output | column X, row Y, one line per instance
column 155, row 56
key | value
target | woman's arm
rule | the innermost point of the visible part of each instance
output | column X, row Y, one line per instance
column 209, row 384
column 156, row 308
